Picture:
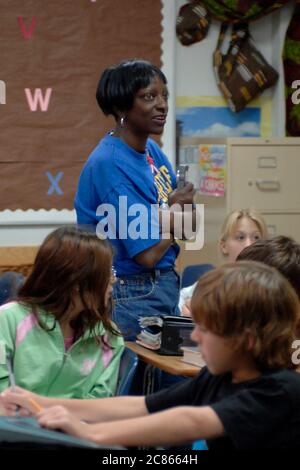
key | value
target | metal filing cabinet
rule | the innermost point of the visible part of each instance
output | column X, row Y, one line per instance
column 265, row 174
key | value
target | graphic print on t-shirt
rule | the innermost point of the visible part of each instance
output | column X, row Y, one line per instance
column 163, row 184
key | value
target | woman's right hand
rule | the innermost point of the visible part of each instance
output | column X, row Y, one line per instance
column 182, row 196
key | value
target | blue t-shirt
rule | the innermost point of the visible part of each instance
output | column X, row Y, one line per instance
column 123, row 183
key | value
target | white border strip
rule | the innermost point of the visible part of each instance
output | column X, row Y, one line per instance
column 168, row 67
column 40, row 217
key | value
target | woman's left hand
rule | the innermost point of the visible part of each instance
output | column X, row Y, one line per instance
column 182, row 196
column 58, row 417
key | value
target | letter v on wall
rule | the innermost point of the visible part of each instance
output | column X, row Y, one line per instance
column 27, row 33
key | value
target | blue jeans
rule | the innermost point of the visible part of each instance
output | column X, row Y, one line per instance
column 142, row 295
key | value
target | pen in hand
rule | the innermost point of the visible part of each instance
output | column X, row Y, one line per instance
column 12, row 381
column 11, row 378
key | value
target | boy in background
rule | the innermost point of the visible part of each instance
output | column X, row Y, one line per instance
column 283, row 253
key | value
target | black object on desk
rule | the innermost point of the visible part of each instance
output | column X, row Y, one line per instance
column 176, row 332
column 166, row 334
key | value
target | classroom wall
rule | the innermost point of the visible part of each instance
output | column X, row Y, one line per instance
column 21, row 228
column 189, row 73
column 194, row 72
column 195, row 78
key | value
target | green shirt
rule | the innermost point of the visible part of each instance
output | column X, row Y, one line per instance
column 88, row 369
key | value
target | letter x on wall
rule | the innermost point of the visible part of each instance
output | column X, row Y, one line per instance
column 54, row 183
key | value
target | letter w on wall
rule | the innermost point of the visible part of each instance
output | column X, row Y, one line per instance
column 38, row 99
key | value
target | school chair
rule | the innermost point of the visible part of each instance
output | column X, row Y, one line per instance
column 192, row 273
column 10, row 282
column 128, row 366
column 199, row 445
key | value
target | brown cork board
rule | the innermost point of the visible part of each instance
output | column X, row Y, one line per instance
column 51, row 57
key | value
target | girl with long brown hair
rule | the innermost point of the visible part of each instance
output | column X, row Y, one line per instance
column 58, row 332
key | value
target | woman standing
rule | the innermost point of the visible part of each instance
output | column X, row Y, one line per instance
column 126, row 185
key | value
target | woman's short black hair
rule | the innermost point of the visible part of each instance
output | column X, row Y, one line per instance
column 119, row 83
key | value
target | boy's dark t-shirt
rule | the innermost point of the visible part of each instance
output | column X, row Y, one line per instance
column 261, row 413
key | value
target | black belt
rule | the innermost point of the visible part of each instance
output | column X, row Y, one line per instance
column 158, row 270
column 154, row 272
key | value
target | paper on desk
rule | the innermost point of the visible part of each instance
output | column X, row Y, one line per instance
column 153, row 340
column 150, row 321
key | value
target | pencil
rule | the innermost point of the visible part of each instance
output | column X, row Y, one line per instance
column 12, row 378
column 35, row 405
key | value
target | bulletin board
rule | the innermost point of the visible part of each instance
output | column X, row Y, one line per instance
column 52, row 54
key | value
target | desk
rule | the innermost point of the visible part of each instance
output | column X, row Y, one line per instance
column 171, row 364
column 22, row 433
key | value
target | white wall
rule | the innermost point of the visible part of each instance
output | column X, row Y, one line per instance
column 195, row 77
column 169, row 69
column 26, row 228
column 194, row 71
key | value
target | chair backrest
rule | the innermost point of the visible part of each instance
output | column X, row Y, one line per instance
column 192, row 273
column 199, row 445
column 10, row 282
column 128, row 365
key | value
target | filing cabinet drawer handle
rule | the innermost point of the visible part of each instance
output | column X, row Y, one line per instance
column 268, row 185
column 267, row 162
column 272, row 229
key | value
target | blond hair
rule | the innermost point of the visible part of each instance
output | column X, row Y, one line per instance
column 246, row 300
column 232, row 219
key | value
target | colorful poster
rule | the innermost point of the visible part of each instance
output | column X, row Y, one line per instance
column 212, row 162
column 208, row 116
column 214, row 122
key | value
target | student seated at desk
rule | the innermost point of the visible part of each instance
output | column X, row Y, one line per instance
column 283, row 253
column 248, row 397
column 240, row 229
column 58, row 332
